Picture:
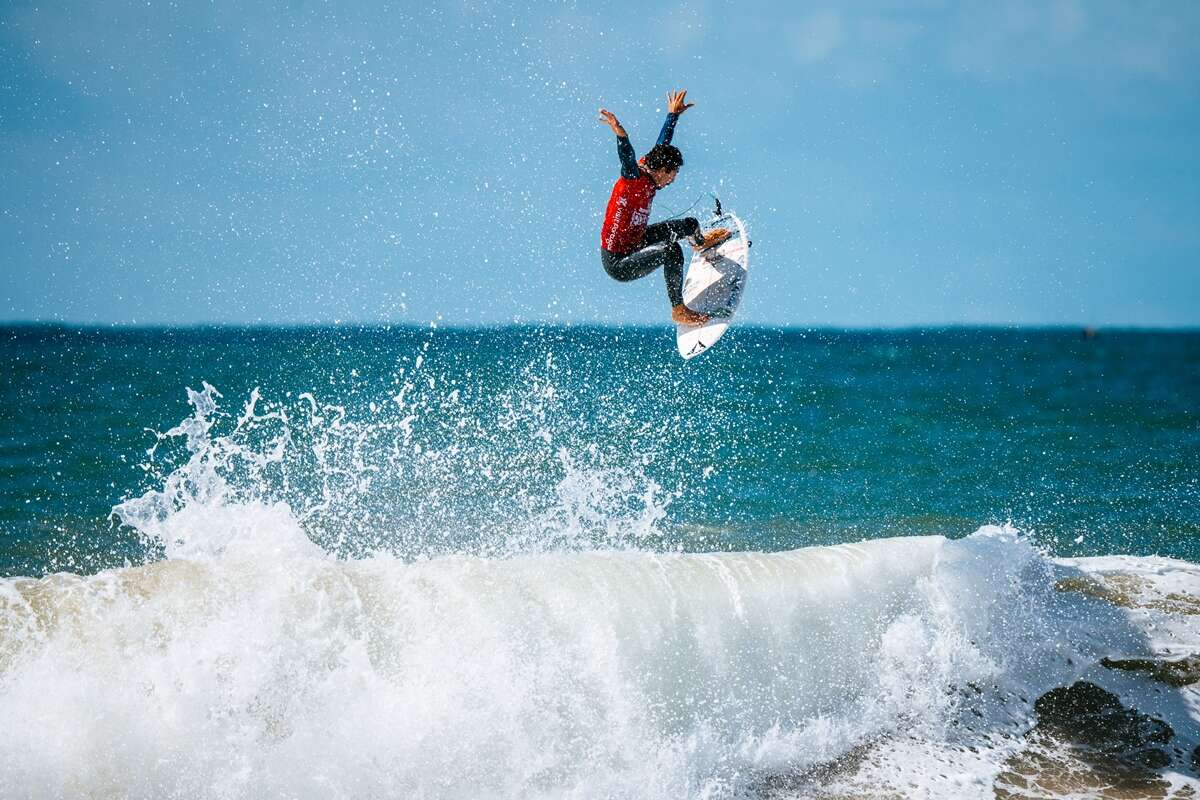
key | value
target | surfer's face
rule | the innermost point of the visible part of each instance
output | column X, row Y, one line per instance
column 663, row 177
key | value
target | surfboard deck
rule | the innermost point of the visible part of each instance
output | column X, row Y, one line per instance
column 713, row 285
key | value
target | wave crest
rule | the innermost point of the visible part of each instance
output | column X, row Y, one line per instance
column 606, row 673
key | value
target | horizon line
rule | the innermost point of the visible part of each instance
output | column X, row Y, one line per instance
column 436, row 325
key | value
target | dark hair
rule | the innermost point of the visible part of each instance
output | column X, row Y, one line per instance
column 664, row 156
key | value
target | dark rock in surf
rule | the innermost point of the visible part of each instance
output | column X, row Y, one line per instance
column 1087, row 743
column 1092, row 717
column 1173, row 672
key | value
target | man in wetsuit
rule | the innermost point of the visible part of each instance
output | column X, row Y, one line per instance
column 629, row 247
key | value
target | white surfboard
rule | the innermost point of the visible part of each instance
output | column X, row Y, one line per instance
column 713, row 285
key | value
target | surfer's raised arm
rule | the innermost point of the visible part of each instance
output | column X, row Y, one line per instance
column 676, row 105
column 629, row 165
column 610, row 119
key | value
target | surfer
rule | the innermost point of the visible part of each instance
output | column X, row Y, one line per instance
column 631, row 249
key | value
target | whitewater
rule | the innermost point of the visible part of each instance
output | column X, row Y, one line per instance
column 273, row 669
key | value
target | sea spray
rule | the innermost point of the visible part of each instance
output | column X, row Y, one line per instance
column 418, row 476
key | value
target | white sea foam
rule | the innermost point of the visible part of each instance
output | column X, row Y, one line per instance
column 265, row 667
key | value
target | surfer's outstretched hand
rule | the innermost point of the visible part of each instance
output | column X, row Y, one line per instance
column 675, row 102
column 610, row 119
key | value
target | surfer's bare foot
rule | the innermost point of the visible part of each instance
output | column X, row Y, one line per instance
column 713, row 238
column 685, row 316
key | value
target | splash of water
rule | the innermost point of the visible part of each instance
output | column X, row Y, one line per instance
column 419, row 474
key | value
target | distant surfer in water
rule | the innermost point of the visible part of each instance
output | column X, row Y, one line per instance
column 631, row 249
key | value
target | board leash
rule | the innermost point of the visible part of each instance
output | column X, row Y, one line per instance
column 696, row 202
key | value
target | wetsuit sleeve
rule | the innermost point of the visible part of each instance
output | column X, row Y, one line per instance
column 668, row 129
column 629, row 165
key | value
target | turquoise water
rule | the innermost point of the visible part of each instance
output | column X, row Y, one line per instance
column 515, row 439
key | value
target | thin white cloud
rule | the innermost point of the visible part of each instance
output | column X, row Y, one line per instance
column 858, row 47
column 872, row 42
column 1100, row 39
column 817, row 36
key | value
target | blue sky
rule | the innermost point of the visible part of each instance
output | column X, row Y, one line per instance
column 898, row 163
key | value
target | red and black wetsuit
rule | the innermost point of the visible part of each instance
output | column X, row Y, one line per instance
column 629, row 247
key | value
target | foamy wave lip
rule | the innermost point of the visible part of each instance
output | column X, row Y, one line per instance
column 244, row 531
column 902, row 666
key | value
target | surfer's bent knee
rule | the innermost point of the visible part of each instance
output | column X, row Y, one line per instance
column 612, row 265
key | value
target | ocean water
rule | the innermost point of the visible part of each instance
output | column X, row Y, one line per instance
column 561, row 562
